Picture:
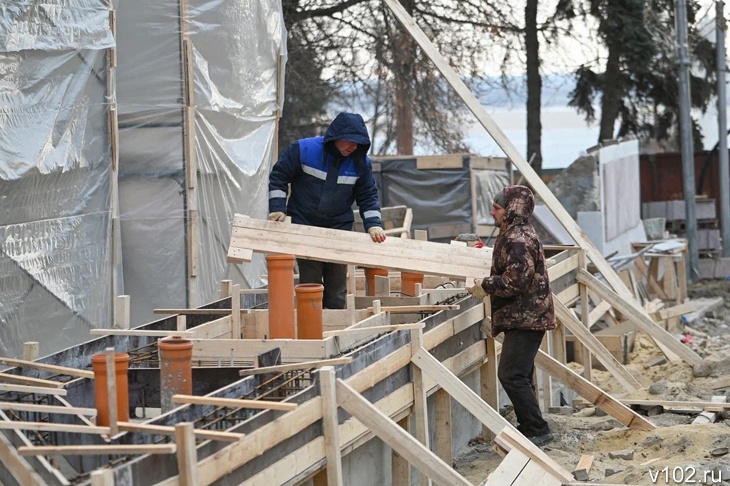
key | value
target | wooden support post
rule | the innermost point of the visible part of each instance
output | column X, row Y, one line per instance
column 31, row 350
column 420, row 406
column 330, row 425
column 547, row 388
column 236, row 312
column 111, row 386
column 382, row 286
column 351, row 280
column 585, row 320
column 225, row 290
column 102, row 477
column 351, row 308
column 181, row 323
column 490, row 383
column 187, row 455
column 428, row 463
column 122, row 312
column 400, row 467
column 443, row 440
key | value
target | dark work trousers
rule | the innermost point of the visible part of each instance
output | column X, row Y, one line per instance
column 332, row 275
column 515, row 372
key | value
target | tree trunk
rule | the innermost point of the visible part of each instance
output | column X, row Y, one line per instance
column 534, row 87
column 612, row 91
column 405, row 62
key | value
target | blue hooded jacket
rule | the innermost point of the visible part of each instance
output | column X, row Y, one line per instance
column 324, row 184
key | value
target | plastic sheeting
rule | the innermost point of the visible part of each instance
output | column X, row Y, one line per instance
column 56, row 193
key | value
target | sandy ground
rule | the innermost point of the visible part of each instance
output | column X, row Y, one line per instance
column 677, row 451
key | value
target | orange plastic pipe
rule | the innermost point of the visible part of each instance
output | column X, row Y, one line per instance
column 98, row 365
column 176, row 370
column 281, row 296
column 370, row 274
column 309, row 310
column 408, row 282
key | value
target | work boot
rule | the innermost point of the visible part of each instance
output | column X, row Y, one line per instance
column 543, row 439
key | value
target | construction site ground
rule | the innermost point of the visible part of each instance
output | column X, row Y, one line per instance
column 678, row 451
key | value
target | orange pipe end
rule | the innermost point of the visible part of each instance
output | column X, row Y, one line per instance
column 281, row 296
column 408, row 282
column 176, row 370
column 309, row 310
column 370, row 274
column 101, row 396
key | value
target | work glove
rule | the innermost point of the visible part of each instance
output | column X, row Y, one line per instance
column 477, row 291
column 277, row 216
column 377, row 234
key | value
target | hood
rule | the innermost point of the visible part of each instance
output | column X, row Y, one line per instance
column 349, row 127
column 520, row 202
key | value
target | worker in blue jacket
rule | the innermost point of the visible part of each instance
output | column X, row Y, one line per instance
column 327, row 175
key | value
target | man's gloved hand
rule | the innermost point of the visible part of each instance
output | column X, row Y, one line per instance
column 377, row 234
column 477, row 291
column 277, row 216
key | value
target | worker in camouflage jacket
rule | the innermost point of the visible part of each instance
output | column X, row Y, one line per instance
column 522, row 305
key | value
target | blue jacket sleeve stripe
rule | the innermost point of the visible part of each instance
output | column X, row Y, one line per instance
column 319, row 174
column 372, row 214
column 276, row 194
column 347, row 180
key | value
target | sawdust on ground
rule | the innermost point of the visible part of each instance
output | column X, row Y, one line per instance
column 676, row 452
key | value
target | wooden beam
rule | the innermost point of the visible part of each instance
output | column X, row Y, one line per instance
column 193, row 312
column 642, row 321
column 139, row 333
column 31, row 350
column 461, row 393
column 52, row 427
column 234, row 403
column 443, row 442
column 400, row 467
column 296, row 366
column 592, row 393
column 32, row 407
column 330, row 425
column 390, row 433
column 102, row 477
column 420, row 403
column 18, row 466
column 374, row 329
column 591, row 342
column 94, row 450
column 407, row 309
column 32, row 389
column 187, row 455
column 677, row 403
column 583, row 468
column 510, row 439
column 61, row 370
column 205, row 434
column 26, row 380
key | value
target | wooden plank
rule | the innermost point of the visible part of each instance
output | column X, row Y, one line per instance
column 139, row 333
column 597, row 313
column 32, row 389
column 111, row 389
column 374, row 329
column 432, row 162
column 236, row 349
column 677, row 403
column 233, row 403
column 335, row 246
column 218, row 328
column 564, row 267
column 443, row 438
column 420, row 403
column 510, row 439
column 489, row 381
column 102, row 477
column 400, row 467
column 18, row 467
column 583, row 468
column 509, row 469
column 96, row 450
column 678, row 310
column 592, row 343
column 592, row 393
column 642, row 321
column 26, row 380
column 236, row 312
column 390, row 433
column 187, row 456
column 296, row 366
column 408, row 309
column 330, row 425
column 143, row 428
column 33, row 407
column 707, row 416
column 348, row 341
column 31, row 350
column 193, row 312
column 122, row 312
column 61, row 370
column 52, row 427
column 461, row 393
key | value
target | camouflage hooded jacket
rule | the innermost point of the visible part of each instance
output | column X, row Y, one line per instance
column 518, row 285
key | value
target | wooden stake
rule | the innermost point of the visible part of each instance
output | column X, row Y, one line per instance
column 330, row 426
column 111, row 386
column 31, row 350
column 420, row 405
column 187, row 456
